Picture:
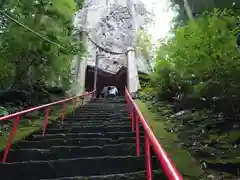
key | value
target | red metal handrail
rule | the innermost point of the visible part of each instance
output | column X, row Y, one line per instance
column 150, row 140
column 46, row 107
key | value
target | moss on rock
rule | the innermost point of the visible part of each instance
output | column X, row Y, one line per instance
column 186, row 164
column 211, row 138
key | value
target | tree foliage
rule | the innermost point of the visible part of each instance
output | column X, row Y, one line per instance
column 198, row 7
column 27, row 59
column 144, row 47
column 38, row 60
column 201, row 60
column 144, row 44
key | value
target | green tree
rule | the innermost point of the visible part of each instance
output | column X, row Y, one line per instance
column 26, row 58
column 144, row 47
column 205, row 55
column 198, row 7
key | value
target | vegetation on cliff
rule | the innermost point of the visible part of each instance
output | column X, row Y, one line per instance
column 197, row 71
column 36, row 49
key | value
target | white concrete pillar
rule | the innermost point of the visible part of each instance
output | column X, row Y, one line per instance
column 79, row 83
column 82, row 76
column 96, row 72
column 132, row 72
column 81, row 66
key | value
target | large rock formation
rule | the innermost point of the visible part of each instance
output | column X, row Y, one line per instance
column 111, row 27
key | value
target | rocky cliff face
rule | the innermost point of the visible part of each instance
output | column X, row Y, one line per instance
column 111, row 23
column 111, row 27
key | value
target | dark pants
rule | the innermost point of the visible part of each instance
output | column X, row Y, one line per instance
column 112, row 96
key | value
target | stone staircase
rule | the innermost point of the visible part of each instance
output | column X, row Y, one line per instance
column 94, row 144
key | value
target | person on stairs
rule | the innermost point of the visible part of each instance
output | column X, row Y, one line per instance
column 104, row 92
column 113, row 92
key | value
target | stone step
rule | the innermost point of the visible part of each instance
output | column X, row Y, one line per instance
column 108, row 125
column 112, row 135
column 48, row 143
column 104, row 106
column 94, row 142
column 102, row 120
column 108, row 103
column 69, row 120
column 95, row 110
column 108, row 99
column 101, row 110
column 97, row 118
column 69, row 152
column 140, row 175
column 97, row 106
column 105, row 113
column 111, row 106
column 97, row 166
column 92, row 123
column 86, row 129
column 97, row 128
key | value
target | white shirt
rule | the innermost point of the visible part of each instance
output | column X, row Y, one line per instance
column 113, row 91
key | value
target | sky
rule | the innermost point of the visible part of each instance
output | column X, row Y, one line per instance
column 163, row 16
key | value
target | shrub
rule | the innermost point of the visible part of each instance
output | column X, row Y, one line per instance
column 201, row 58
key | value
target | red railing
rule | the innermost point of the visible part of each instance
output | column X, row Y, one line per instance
column 47, row 108
column 150, row 140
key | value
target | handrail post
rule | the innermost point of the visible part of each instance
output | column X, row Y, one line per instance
column 45, row 121
column 132, row 117
column 74, row 105
column 137, row 136
column 150, row 140
column 16, row 116
column 130, row 108
column 9, row 143
column 148, row 157
column 63, row 112
column 88, row 98
column 82, row 100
